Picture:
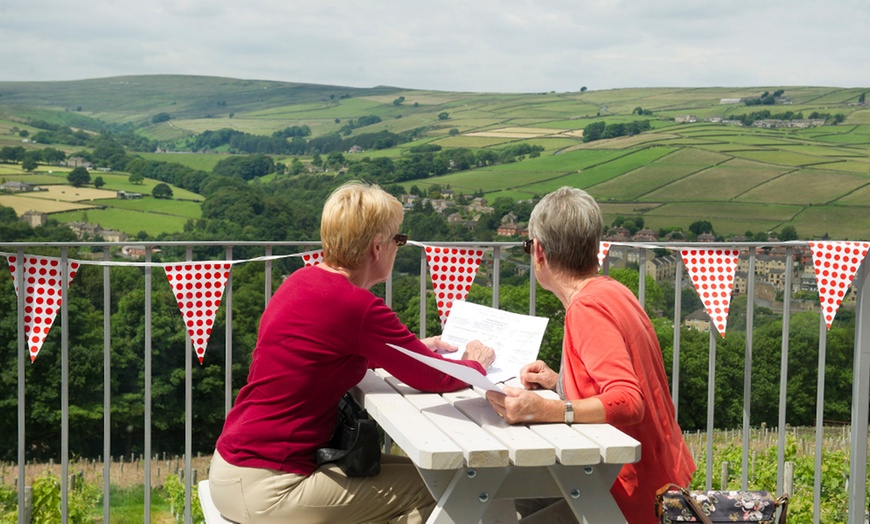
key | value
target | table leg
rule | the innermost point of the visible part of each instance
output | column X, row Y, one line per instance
column 467, row 496
column 588, row 492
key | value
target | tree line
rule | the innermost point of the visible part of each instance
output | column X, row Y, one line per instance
column 127, row 302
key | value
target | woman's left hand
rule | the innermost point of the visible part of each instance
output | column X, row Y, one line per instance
column 518, row 406
column 439, row 346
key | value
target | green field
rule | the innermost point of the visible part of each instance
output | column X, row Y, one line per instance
column 738, row 178
column 131, row 222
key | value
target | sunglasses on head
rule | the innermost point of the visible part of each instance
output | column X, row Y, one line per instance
column 400, row 239
column 527, row 245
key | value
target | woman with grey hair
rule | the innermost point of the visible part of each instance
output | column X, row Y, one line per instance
column 612, row 369
column 319, row 334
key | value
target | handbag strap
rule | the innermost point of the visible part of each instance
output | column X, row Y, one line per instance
column 783, row 503
column 690, row 501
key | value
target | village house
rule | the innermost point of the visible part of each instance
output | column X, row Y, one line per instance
column 86, row 231
column 17, row 187
column 77, row 161
column 645, row 235
column 456, row 219
column 479, row 205
column 34, row 218
column 698, row 320
column 129, row 195
column 618, row 234
column 663, row 269
column 686, row 119
column 136, row 251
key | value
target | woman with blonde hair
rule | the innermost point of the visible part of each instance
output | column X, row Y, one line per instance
column 612, row 369
column 319, row 334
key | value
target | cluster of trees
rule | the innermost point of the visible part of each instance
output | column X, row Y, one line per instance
column 766, row 98
column 424, row 162
column 364, row 121
column 240, row 142
column 747, row 119
column 291, row 141
column 30, row 158
column 601, row 130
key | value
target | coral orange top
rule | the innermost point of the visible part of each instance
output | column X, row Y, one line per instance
column 611, row 352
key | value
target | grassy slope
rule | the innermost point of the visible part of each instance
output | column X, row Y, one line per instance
column 738, row 178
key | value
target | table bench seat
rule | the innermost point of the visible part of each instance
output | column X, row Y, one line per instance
column 475, row 464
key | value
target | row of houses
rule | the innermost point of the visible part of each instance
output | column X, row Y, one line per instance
column 770, row 123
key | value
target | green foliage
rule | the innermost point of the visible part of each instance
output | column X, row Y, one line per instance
column 46, row 509
column 174, row 488
column 160, row 117
column 763, row 476
column 162, row 190
column 79, row 177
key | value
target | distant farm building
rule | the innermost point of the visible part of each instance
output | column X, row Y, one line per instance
column 127, row 195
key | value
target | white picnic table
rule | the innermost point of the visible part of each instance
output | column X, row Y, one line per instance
column 475, row 464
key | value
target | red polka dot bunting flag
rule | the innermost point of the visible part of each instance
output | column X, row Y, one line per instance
column 712, row 272
column 452, row 271
column 42, row 295
column 198, row 288
column 312, row 258
column 603, row 249
column 835, row 264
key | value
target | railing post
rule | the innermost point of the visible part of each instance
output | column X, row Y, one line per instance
column 675, row 365
column 23, row 501
column 783, row 370
column 188, row 415
column 107, row 386
column 711, row 398
column 747, row 366
column 64, row 385
column 860, row 399
column 148, row 284
column 820, row 415
column 423, row 268
column 228, row 346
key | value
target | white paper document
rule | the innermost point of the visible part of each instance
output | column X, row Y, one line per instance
column 516, row 338
column 463, row 373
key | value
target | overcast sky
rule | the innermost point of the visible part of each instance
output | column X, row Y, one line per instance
column 450, row 45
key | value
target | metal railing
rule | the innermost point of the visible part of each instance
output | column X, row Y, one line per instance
column 499, row 250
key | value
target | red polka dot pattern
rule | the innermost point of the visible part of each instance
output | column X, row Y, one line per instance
column 42, row 295
column 836, row 264
column 712, row 272
column 198, row 288
column 603, row 249
column 452, row 271
column 312, row 258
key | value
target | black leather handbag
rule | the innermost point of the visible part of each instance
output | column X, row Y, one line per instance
column 355, row 446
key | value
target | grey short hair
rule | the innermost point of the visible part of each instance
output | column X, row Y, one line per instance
column 567, row 224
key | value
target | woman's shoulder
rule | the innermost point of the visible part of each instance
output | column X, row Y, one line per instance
column 602, row 288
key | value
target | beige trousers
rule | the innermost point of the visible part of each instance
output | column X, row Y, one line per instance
column 254, row 495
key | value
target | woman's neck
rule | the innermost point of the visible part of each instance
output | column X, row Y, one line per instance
column 356, row 277
column 568, row 286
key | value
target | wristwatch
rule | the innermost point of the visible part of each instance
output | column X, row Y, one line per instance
column 569, row 412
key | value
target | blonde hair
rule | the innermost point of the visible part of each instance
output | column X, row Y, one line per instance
column 567, row 224
column 356, row 214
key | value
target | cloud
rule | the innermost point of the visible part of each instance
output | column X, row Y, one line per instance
column 485, row 45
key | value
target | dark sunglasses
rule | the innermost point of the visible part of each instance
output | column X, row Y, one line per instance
column 527, row 245
column 400, row 239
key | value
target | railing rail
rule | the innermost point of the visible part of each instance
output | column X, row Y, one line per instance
column 861, row 371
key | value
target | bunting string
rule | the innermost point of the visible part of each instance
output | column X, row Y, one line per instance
column 199, row 285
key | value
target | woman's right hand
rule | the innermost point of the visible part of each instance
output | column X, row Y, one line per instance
column 477, row 350
column 538, row 375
